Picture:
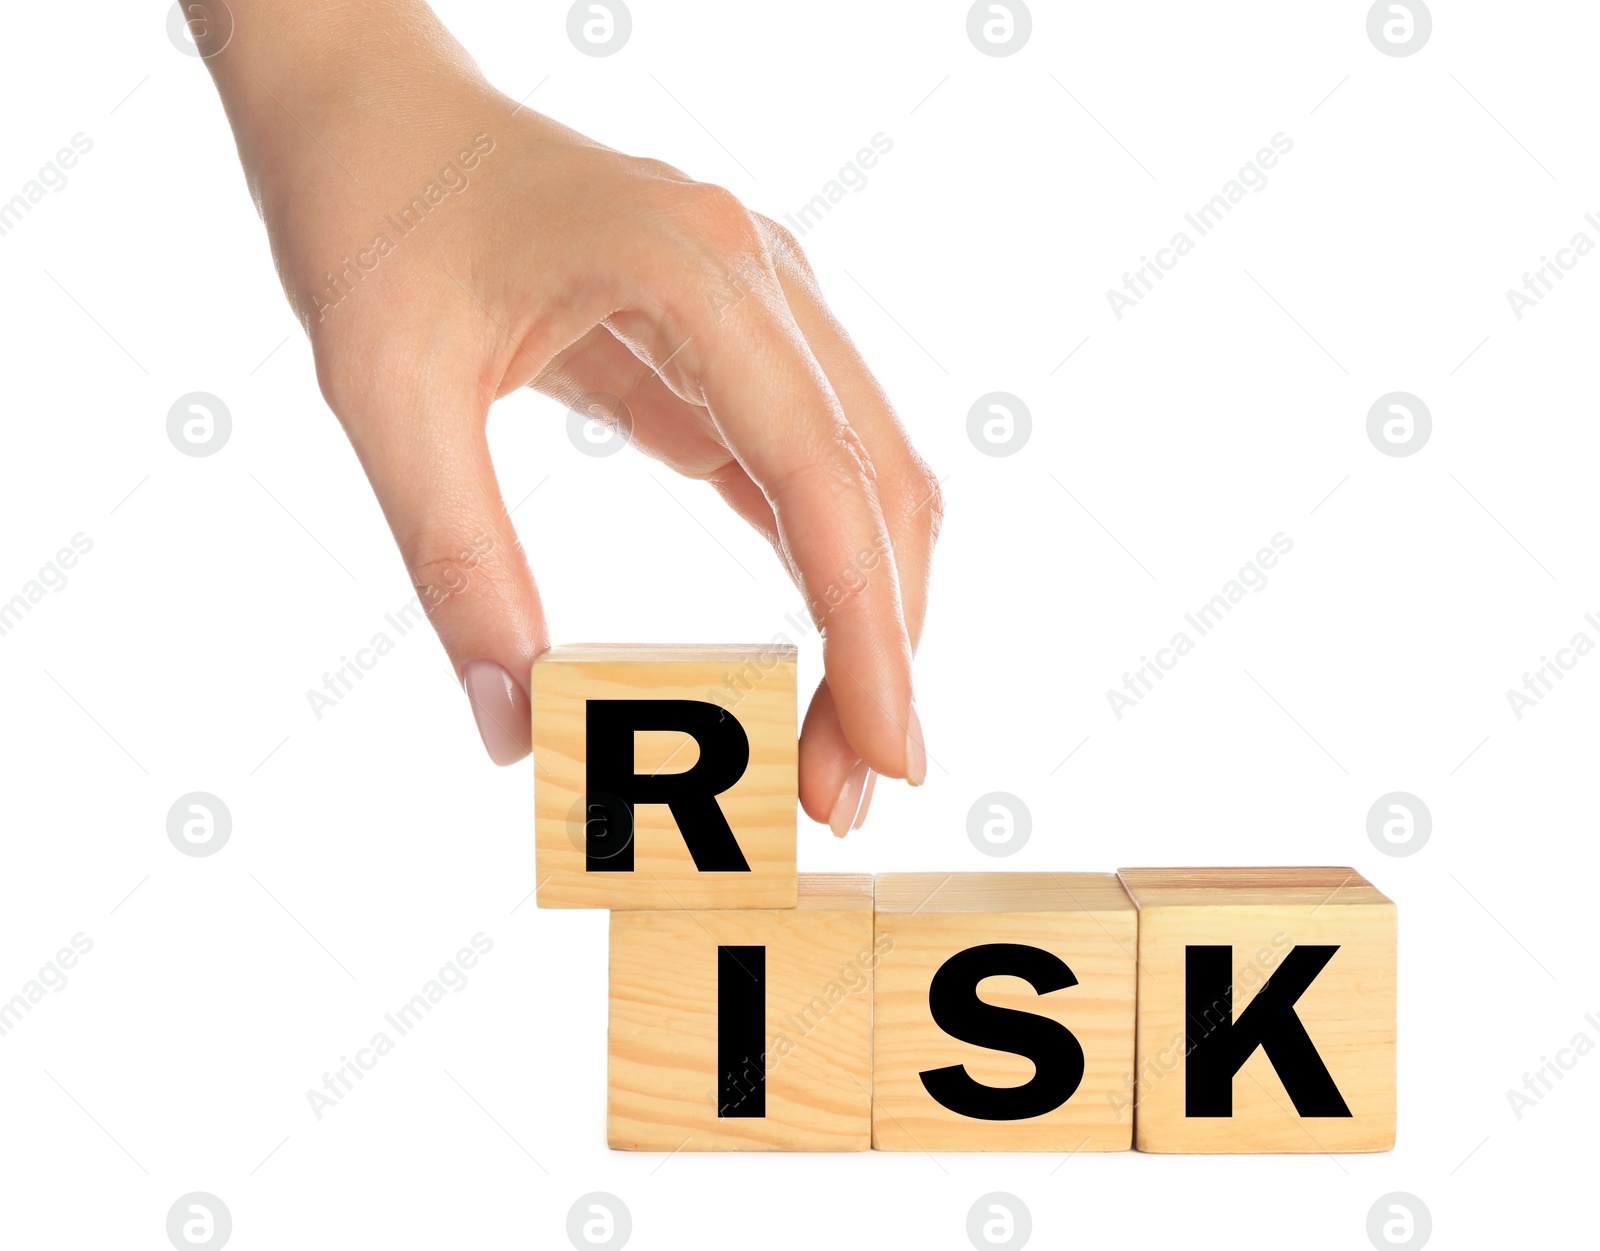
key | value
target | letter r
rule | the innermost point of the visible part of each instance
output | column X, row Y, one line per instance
column 614, row 789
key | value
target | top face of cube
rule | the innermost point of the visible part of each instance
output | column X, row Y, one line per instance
column 1222, row 887
column 665, row 776
column 834, row 892
column 999, row 892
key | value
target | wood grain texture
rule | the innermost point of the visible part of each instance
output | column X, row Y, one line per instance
column 756, row 685
column 922, row 919
column 662, row 1070
column 1348, row 1010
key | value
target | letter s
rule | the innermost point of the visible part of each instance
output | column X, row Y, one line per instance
column 957, row 1010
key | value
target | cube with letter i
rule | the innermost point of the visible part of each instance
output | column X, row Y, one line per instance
column 665, row 776
column 1266, row 1010
column 744, row 1029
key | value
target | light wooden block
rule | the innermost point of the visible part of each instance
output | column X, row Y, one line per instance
column 750, row 689
column 1347, row 1010
column 1082, row 921
column 712, row 1052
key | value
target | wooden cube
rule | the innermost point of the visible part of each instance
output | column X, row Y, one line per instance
column 737, row 1030
column 957, row 1066
column 665, row 776
column 1266, row 1010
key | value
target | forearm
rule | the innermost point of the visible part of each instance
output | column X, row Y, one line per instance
column 296, row 75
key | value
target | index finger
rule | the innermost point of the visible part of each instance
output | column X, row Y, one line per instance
column 778, row 414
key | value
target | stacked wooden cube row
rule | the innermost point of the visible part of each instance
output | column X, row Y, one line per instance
column 764, row 1008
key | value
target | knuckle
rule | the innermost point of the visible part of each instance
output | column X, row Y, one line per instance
column 650, row 167
column 837, row 467
column 928, row 507
column 357, row 377
column 845, row 461
column 444, row 560
column 335, row 376
column 853, row 458
column 717, row 218
column 782, row 243
column 341, row 390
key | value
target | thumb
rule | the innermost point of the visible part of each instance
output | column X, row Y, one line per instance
column 426, row 454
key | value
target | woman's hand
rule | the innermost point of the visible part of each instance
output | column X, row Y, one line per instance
column 443, row 247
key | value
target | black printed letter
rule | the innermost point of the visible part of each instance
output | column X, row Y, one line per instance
column 1219, row 1045
column 1056, row 1054
column 741, row 1031
column 614, row 789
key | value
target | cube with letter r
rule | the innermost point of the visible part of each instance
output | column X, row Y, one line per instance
column 665, row 776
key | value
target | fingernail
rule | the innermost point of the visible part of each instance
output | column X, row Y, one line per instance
column 849, row 801
column 500, row 709
column 916, row 754
column 866, row 800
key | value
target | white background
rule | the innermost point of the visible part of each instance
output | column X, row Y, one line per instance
column 370, row 845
